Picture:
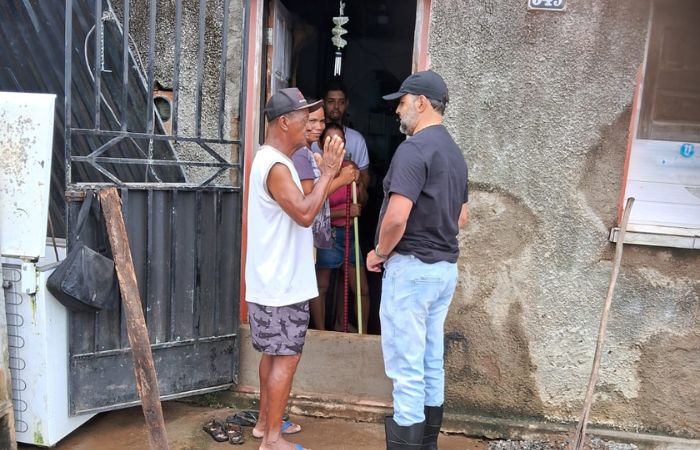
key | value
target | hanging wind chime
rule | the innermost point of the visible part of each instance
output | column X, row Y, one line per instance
column 338, row 31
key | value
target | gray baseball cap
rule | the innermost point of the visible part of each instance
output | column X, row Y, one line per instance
column 285, row 101
column 426, row 83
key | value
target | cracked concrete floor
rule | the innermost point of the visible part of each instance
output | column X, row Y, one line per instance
column 125, row 429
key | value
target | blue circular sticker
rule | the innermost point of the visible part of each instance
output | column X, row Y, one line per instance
column 687, row 150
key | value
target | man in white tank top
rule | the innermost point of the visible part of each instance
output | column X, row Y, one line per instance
column 279, row 275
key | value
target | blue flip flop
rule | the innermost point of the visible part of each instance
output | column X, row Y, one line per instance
column 298, row 447
column 285, row 425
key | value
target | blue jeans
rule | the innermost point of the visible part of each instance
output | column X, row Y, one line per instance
column 415, row 300
column 334, row 258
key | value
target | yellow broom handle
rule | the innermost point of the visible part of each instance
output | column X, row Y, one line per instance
column 358, row 289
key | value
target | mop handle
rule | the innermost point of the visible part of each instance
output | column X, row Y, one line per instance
column 358, row 290
column 346, row 261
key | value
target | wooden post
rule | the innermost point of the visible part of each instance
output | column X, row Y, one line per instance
column 144, row 368
column 580, row 435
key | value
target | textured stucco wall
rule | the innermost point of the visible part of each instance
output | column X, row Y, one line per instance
column 540, row 103
column 164, row 70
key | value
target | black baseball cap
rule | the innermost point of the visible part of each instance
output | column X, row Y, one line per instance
column 426, row 83
column 285, row 101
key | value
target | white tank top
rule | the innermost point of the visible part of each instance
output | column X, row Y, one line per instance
column 279, row 259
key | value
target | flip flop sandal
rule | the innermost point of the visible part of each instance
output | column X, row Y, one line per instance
column 287, row 428
column 215, row 430
column 234, row 433
column 243, row 418
column 290, row 428
column 248, row 418
column 253, row 413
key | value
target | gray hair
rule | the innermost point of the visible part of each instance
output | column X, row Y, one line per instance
column 438, row 106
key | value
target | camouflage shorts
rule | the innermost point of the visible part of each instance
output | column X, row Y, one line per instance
column 278, row 330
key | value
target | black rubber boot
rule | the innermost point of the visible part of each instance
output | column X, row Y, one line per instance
column 433, row 422
column 403, row 438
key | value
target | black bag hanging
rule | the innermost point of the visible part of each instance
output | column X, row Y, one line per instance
column 85, row 281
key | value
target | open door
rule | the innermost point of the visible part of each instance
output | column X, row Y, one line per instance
column 280, row 74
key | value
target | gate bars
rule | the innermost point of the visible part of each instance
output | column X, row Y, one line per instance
column 145, row 129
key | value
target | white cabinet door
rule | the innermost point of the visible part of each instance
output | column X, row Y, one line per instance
column 26, row 140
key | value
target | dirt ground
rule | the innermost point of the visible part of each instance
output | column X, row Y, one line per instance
column 125, row 429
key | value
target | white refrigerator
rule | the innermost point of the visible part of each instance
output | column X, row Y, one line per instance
column 37, row 324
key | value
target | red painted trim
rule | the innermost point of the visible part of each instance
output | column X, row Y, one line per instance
column 249, row 143
column 423, row 61
column 630, row 140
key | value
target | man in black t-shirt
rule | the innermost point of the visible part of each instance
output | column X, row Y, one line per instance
column 425, row 205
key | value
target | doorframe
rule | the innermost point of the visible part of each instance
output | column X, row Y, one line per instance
column 252, row 114
column 421, row 57
column 251, row 122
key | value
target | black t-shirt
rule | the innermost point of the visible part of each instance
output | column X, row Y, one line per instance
column 429, row 169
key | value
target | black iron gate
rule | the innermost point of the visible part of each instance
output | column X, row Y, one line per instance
column 180, row 189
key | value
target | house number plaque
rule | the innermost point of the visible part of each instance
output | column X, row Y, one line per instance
column 547, row 5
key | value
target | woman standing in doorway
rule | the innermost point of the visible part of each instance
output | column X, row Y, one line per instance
column 305, row 165
column 333, row 258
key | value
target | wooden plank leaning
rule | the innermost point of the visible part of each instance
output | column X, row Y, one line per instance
column 580, row 435
column 144, row 368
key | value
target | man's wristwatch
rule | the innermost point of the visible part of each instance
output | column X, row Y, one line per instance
column 379, row 255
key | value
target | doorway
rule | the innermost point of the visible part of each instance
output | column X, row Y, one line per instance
column 662, row 167
column 380, row 53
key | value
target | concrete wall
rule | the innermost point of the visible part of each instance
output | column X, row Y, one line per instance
column 540, row 104
column 334, row 366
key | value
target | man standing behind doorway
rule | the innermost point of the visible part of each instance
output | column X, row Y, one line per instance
column 425, row 205
column 279, row 273
column 335, row 104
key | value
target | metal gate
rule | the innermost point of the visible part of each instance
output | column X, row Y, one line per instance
column 180, row 188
